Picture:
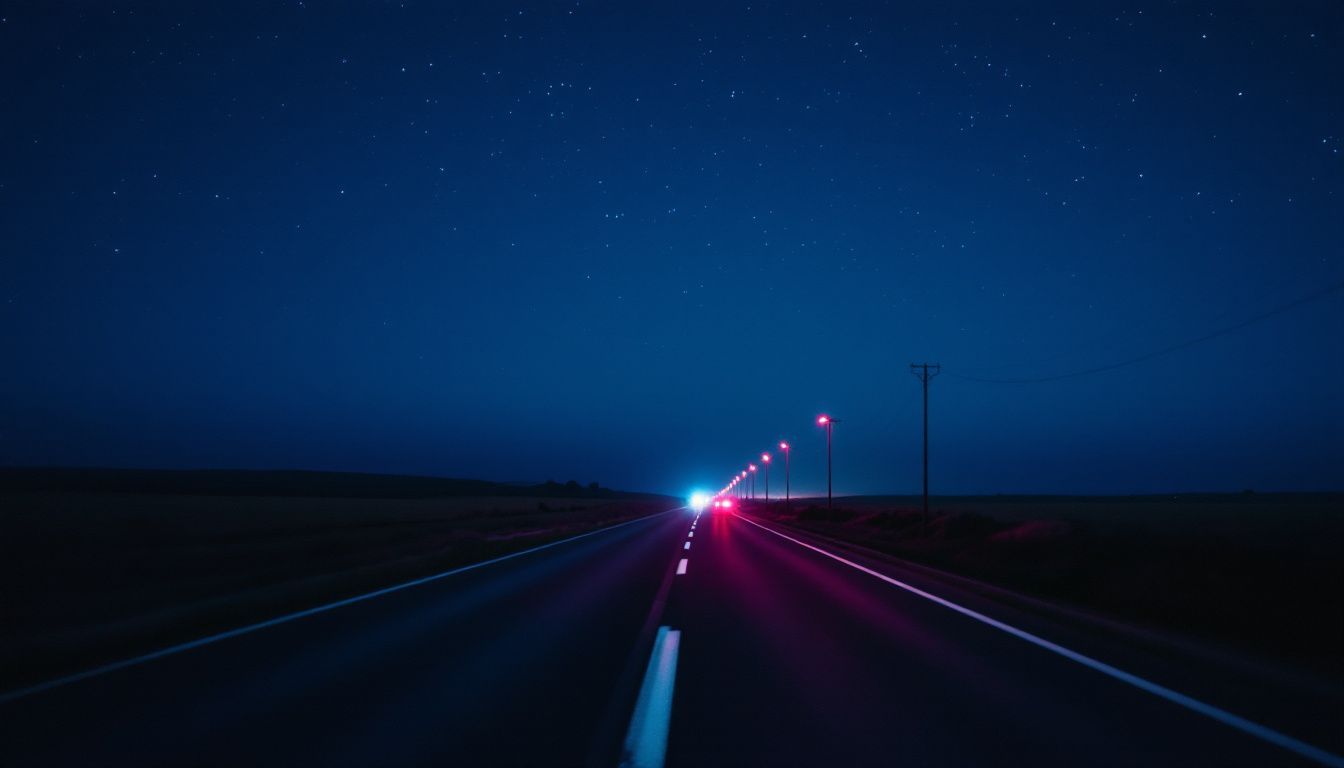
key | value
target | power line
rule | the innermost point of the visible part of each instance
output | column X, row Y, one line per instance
column 1294, row 304
column 1112, row 342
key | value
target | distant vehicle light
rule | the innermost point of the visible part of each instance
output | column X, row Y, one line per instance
column 727, row 503
column 699, row 501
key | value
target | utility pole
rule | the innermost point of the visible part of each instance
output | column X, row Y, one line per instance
column 924, row 372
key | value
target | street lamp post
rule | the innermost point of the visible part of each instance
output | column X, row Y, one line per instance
column 765, row 459
column 752, row 467
column 783, row 446
column 827, row 422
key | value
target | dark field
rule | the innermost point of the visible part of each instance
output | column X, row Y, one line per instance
column 133, row 562
column 1258, row 573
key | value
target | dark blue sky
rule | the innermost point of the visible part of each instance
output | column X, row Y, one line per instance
column 641, row 244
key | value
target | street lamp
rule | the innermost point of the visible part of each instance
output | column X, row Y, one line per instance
column 827, row 422
column 765, row 459
column 783, row 446
column 752, row 467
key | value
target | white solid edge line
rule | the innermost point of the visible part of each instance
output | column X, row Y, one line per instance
column 681, row 567
column 1221, row 715
column 646, row 741
column 19, row 693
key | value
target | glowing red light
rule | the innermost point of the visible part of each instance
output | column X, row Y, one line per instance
column 823, row 419
column 727, row 503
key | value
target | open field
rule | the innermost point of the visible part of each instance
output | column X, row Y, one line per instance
column 1262, row 573
column 97, row 575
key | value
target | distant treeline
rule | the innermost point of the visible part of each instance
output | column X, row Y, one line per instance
column 234, row 482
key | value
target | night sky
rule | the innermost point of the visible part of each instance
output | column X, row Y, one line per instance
column 639, row 243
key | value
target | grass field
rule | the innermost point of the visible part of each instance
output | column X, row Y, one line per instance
column 95, row 576
column 1262, row 573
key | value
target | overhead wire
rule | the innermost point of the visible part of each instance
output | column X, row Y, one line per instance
column 1316, row 295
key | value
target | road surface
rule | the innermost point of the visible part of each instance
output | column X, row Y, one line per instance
column 754, row 645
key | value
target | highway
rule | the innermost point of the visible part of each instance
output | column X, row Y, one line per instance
column 677, row 639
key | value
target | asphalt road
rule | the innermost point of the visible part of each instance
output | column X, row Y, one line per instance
column 771, row 652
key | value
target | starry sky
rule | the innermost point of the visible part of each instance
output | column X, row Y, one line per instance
column 640, row 243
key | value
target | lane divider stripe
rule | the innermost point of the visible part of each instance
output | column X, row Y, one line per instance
column 646, row 741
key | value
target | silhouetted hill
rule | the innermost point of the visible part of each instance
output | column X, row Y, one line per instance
column 295, row 483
